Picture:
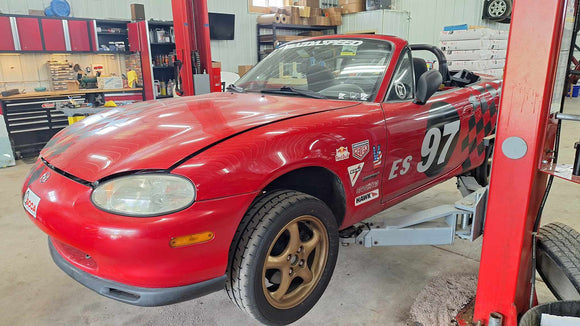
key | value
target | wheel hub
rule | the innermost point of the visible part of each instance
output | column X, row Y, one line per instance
column 497, row 8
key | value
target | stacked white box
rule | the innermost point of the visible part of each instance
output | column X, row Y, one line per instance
column 481, row 50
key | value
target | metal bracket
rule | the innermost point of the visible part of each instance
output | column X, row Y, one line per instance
column 434, row 226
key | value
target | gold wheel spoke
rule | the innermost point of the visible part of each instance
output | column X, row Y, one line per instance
column 294, row 242
column 305, row 274
column 284, row 285
column 276, row 262
column 312, row 243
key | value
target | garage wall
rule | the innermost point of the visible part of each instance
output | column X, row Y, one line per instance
column 240, row 51
column 389, row 22
column 419, row 21
column 427, row 17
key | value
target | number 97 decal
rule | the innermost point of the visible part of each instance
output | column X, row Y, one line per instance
column 434, row 149
column 440, row 140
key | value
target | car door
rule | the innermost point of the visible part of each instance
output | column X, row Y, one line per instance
column 424, row 142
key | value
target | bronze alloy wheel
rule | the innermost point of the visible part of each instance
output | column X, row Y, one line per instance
column 282, row 256
column 295, row 262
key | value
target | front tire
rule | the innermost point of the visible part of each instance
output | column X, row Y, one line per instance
column 282, row 257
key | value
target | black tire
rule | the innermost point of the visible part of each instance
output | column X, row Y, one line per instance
column 265, row 229
column 497, row 10
column 558, row 260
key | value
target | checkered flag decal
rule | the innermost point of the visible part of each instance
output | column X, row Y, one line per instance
column 481, row 124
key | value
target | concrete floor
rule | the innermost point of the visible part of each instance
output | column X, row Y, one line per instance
column 370, row 286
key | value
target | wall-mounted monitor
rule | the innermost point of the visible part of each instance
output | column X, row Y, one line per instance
column 221, row 26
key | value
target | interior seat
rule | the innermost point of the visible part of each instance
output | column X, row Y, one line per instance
column 420, row 67
column 319, row 78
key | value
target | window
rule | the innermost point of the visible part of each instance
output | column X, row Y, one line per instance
column 263, row 6
column 403, row 84
column 340, row 68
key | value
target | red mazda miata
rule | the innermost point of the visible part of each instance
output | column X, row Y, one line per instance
column 165, row 201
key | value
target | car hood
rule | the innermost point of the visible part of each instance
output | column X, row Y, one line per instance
column 158, row 134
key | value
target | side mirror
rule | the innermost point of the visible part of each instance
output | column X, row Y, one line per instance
column 427, row 85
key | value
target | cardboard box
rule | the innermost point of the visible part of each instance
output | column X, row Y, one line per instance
column 332, row 11
column 137, row 11
column 335, row 20
column 216, row 64
column 312, row 33
column 72, row 85
column 473, row 45
column 295, row 19
column 33, row 12
column 288, row 38
column 305, row 12
column 353, row 7
column 308, row 3
column 316, row 12
column 109, row 82
column 243, row 69
column 291, row 10
column 320, row 21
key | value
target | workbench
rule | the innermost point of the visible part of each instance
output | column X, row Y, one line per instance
column 32, row 119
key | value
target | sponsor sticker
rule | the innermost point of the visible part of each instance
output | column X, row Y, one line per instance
column 361, row 149
column 366, row 197
column 30, row 202
column 377, row 156
column 354, row 172
column 367, row 187
column 342, row 154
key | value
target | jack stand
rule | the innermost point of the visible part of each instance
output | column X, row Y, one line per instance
column 434, row 226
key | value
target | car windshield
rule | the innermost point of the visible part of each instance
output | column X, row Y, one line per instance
column 343, row 69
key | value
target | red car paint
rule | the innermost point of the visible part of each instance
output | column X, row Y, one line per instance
column 232, row 146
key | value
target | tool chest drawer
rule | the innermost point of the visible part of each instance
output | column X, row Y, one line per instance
column 32, row 122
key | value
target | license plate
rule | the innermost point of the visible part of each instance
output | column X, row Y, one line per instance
column 30, row 202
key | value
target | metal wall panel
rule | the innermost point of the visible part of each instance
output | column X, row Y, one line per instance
column 428, row 17
column 243, row 48
column 388, row 22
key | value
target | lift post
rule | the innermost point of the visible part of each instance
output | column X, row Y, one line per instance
column 524, row 139
column 192, row 42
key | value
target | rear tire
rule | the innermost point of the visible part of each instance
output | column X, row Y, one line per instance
column 282, row 257
column 558, row 260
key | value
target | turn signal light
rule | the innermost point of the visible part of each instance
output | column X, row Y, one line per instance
column 187, row 240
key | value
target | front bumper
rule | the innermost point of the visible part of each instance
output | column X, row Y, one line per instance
column 134, row 251
column 139, row 296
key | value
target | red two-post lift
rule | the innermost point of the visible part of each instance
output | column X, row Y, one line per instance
column 192, row 42
column 537, row 60
column 192, row 46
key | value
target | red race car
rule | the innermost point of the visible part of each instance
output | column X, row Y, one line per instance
column 166, row 201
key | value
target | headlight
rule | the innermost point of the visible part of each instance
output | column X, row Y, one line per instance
column 144, row 195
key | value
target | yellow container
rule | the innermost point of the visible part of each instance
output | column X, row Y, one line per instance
column 72, row 120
